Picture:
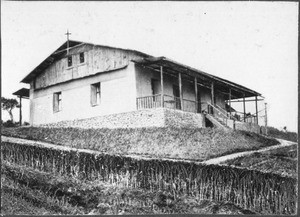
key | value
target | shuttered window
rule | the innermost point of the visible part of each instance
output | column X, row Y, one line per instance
column 95, row 94
column 57, row 102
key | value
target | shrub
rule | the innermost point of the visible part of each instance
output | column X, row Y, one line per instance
column 9, row 123
column 26, row 123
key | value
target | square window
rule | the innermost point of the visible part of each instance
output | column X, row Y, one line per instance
column 81, row 57
column 69, row 61
column 95, row 94
column 57, row 106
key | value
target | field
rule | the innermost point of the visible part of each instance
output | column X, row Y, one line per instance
column 281, row 161
column 170, row 183
column 132, row 172
column 29, row 191
column 177, row 143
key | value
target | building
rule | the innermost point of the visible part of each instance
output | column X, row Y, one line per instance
column 102, row 86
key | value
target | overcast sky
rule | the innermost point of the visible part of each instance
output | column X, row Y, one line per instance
column 251, row 43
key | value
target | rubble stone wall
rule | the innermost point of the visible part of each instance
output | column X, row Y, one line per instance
column 159, row 117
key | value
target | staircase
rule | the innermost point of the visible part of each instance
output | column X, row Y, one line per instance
column 219, row 123
column 218, row 116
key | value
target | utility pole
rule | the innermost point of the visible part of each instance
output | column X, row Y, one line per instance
column 20, row 109
column 266, row 119
column 68, row 33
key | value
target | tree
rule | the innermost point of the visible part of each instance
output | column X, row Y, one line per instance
column 9, row 105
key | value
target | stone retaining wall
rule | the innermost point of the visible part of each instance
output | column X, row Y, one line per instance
column 251, row 127
column 159, row 117
column 178, row 118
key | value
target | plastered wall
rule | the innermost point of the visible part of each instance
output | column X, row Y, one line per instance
column 118, row 94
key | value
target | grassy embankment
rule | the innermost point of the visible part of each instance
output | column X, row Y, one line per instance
column 179, row 143
column 282, row 161
column 28, row 191
column 291, row 136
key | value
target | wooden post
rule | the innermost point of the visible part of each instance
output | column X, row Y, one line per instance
column 212, row 93
column 180, row 90
column 162, row 86
column 244, row 105
column 256, row 110
column 212, row 89
column 266, row 119
column 20, row 110
column 196, row 95
column 230, row 102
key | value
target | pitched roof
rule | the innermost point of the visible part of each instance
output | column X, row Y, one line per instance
column 150, row 62
column 61, row 51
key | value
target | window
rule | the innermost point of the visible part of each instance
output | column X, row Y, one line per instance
column 95, row 94
column 69, row 61
column 57, row 102
column 81, row 57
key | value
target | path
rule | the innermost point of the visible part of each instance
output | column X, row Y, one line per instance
column 222, row 159
column 217, row 160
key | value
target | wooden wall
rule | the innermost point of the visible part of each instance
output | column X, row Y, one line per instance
column 97, row 59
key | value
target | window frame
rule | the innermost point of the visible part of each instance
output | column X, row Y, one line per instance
column 57, row 102
column 69, row 63
column 95, row 94
column 81, row 56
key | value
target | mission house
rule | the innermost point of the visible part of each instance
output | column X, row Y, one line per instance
column 87, row 85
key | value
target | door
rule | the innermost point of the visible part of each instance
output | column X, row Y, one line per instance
column 176, row 94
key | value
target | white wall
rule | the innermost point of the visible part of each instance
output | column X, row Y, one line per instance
column 118, row 94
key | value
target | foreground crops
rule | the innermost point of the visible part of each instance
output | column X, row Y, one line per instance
column 261, row 192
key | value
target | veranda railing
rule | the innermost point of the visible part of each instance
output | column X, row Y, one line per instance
column 172, row 102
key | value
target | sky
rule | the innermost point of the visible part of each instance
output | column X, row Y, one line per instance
column 254, row 44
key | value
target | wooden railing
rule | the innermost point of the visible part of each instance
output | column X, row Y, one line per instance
column 153, row 101
column 226, row 113
column 171, row 102
column 218, row 113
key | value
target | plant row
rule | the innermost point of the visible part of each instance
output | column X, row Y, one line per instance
column 261, row 192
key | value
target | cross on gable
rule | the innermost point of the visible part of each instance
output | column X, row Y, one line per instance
column 68, row 33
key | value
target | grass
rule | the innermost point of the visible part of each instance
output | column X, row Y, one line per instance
column 193, row 144
column 282, row 161
column 291, row 136
column 24, row 192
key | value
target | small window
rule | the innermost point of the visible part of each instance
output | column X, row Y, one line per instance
column 95, row 94
column 81, row 57
column 69, row 61
column 57, row 102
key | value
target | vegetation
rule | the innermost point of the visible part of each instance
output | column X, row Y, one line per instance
column 193, row 144
column 265, row 193
column 28, row 191
column 291, row 136
column 8, row 105
column 281, row 161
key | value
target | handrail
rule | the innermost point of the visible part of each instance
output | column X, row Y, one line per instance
column 148, row 96
column 217, row 109
column 175, row 97
column 225, row 112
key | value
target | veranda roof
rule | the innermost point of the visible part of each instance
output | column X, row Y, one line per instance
column 23, row 92
column 203, row 78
